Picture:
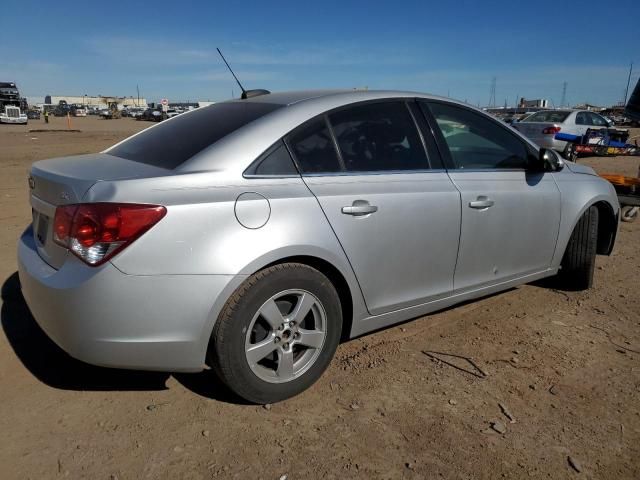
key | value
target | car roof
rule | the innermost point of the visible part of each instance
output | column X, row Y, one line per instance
column 345, row 95
column 237, row 150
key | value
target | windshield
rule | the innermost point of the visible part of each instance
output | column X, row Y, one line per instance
column 169, row 145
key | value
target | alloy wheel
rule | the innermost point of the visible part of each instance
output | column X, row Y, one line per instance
column 285, row 336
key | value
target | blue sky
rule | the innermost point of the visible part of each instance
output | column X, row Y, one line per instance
column 450, row 48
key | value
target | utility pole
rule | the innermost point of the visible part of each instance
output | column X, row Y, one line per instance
column 492, row 93
column 138, row 90
column 626, row 92
column 564, row 95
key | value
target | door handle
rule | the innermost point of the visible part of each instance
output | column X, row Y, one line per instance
column 359, row 208
column 481, row 203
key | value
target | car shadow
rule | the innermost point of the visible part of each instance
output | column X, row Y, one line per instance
column 55, row 368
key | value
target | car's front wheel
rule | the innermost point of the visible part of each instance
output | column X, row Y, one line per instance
column 578, row 263
column 277, row 333
column 569, row 152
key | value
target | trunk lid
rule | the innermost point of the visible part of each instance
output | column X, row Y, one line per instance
column 65, row 180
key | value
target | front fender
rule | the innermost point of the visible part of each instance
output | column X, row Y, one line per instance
column 579, row 192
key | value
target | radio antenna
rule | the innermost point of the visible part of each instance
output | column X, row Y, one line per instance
column 244, row 92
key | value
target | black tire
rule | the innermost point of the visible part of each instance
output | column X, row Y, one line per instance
column 227, row 347
column 579, row 259
column 569, row 152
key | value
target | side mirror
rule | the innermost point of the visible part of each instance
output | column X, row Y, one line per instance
column 550, row 160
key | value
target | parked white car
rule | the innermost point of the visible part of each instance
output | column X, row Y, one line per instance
column 541, row 127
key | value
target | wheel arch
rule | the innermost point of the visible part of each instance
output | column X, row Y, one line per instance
column 578, row 193
column 338, row 280
column 334, row 267
column 607, row 227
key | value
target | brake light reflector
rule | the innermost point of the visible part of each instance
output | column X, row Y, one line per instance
column 551, row 130
column 95, row 232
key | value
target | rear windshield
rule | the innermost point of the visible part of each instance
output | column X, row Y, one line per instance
column 171, row 143
column 548, row 116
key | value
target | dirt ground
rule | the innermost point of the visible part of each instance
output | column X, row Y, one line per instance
column 565, row 366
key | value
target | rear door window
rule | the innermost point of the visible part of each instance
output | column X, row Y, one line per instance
column 313, row 148
column 582, row 118
column 378, row 137
column 171, row 143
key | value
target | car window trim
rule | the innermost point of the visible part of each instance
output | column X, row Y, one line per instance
column 442, row 144
column 374, row 172
column 420, row 134
column 426, row 132
column 334, row 140
column 344, row 172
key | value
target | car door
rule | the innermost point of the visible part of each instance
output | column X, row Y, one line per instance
column 510, row 211
column 598, row 121
column 396, row 217
column 583, row 122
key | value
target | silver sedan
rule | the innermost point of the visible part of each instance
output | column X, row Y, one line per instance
column 541, row 127
column 252, row 235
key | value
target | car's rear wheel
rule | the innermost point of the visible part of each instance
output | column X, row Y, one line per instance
column 277, row 333
column 579, row 259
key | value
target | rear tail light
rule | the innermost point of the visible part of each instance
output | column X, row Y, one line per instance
column 551, row 130
column 95, row 232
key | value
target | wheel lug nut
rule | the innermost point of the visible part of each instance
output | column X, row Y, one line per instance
column 286, row 346
column 296, row 335
column 292, row 324
column 277, row 339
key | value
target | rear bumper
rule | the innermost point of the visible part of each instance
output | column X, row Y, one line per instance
column 105, row 317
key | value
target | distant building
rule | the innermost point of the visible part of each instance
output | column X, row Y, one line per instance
column 537, row 103
column 92, row 101
column 588, row 106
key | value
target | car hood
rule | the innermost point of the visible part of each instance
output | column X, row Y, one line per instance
column 577, row 168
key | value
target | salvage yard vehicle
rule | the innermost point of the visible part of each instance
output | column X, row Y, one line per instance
column 541, row 127
column 12, row 107
column 78, row 110
column 13, row 114
column 252, row 235
column 150, row 114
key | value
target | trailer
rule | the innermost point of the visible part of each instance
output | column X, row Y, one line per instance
column 601, row 142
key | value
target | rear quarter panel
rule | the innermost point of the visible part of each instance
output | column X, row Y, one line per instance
column 201, row 234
